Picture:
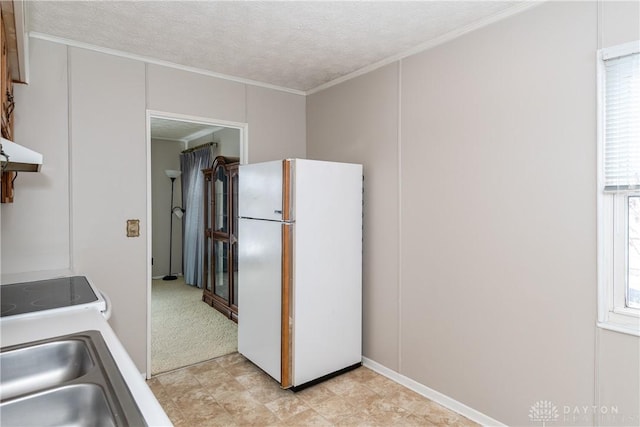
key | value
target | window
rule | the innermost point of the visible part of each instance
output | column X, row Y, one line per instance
column 633, row 281
column 619, row 188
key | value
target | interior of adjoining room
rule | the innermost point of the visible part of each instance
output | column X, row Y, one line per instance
column 184, row 328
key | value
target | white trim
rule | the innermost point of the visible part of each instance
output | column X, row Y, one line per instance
column 160, row 138
column 22, row 41
column 241, row 126
column 188, row 139
column 600, row 236
column 198, row 134
column 454, row 34
column 155, row 61
column 149, row 221
column 149, row 247
column 244, row 150
column 620, row 50
column 618, row 327
column 610, row 316
column 431, row 394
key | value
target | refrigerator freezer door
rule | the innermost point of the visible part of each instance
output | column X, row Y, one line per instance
column 259, row 293
column 260, row 190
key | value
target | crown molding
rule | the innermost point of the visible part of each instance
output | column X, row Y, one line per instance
column 201, row 133
column 161, row 138
column 150, row 60
column 451, row 35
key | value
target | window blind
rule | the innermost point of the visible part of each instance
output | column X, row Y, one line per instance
column 622, row 123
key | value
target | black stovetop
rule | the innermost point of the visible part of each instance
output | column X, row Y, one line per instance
column 27, row 297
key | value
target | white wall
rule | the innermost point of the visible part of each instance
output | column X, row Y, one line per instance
column 95, row 172
column 496, row 253
column 228, row 142
column 494, row 138
column 201, row 140
column 358, row 122
column 165, row 155
column 109, row 179
column 35, row 228
column 178, row 91
column 266, row 110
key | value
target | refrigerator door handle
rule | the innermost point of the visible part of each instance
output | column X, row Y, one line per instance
column 287, row 190
column 286, row 322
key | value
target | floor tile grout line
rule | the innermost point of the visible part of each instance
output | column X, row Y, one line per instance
column 340, row 387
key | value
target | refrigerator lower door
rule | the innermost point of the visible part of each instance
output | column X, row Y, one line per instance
column 260, row 293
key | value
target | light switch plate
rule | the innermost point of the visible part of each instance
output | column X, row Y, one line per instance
column 133, row 228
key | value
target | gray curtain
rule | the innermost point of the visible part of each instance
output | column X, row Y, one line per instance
column 191, row 165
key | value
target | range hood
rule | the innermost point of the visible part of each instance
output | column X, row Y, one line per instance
column 16, row 158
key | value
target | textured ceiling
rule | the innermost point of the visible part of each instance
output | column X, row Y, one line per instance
column 177, row 130
column 291, row 44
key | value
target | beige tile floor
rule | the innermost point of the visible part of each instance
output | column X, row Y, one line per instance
column 231, row 391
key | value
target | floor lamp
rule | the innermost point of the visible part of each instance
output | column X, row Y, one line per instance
column 172, row 174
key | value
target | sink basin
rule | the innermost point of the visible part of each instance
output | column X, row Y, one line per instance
column 72, row 405
column 70, row 380
column 29, row 369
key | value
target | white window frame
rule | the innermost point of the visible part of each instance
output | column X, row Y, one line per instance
column 612, row 214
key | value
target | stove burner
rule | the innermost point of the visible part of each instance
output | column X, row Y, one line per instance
column 28, row 297
column 7, row 308
column 34, row 288
column 55, row 301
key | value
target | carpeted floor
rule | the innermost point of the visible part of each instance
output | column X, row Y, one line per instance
column 185, row 330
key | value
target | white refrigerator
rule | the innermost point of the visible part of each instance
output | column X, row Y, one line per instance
column 300, row 268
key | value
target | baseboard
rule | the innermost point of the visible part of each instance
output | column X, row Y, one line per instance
column 160, row 277
column 30, row 276
column 431, row 394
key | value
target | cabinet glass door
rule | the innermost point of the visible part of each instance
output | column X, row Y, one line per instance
column 220, row 250
column 209, row 200
column 221, row 261
column 209, row 265
column 234, row 256
column 220, row 201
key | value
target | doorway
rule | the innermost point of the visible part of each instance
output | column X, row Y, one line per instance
column 181, row 328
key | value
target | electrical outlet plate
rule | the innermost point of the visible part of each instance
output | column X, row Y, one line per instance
column 133, row 228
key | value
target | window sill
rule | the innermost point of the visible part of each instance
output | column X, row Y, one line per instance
column 630, row 326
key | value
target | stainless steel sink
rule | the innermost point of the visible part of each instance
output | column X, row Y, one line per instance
column 29, row 369
column 72, row 405
column 70, row 380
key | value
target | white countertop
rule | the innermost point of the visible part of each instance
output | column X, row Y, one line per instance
column 22, row 330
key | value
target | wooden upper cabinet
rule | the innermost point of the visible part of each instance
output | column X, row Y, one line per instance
column 13, row 69
column 7, row 91
column 6, row 101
